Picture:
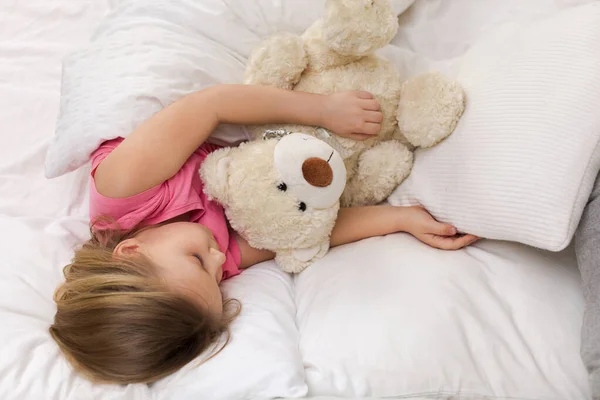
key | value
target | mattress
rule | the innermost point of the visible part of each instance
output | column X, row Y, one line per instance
column 385, row 317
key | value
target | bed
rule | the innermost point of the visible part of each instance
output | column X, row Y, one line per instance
column 383, row 318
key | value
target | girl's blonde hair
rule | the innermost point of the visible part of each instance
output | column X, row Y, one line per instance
column 117, row 322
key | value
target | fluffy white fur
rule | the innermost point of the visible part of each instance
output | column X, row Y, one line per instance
column 245, row 180
column 337, row 53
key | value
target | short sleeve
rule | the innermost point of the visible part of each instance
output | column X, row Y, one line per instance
column 152, row 206
column 181, row 194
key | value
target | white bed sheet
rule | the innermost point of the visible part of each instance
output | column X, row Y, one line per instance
column 41, row 220
column 34, row 37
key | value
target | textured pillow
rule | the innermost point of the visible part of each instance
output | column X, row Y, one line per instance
column 149, row 53
column 146, row 55
column 522, row 161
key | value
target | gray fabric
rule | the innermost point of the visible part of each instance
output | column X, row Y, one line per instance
column 587, row 248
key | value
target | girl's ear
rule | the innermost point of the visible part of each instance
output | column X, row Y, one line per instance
column 214, row 173
column 127, row 247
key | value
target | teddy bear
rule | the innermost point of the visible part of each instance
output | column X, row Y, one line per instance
column 280, row 194
column 337, row 53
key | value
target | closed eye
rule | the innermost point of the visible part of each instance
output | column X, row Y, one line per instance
column 199, row 258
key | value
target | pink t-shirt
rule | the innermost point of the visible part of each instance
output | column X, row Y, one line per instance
column 179, row 195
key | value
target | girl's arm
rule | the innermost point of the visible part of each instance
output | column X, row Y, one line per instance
column 357, row 223
column 158, row 148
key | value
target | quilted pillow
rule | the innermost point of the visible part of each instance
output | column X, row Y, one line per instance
column 522, row 161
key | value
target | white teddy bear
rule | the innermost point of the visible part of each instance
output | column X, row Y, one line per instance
column 337, row 53
column 284, row 194
column 279, row 194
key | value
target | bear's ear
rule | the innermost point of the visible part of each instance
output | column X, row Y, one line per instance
column 214, row 173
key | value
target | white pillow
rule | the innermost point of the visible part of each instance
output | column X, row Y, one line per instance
column 392, row 317
column 149, row 53
column 145, row 55
column 522, row 161
column 261, row 361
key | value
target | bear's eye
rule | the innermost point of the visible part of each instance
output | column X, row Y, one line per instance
column 302, row 206
column 282, row 187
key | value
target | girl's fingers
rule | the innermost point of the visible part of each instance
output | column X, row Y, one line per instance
column 461, row 241
column 438, row 228
column 370, row 105
column 452, row 243
column 472, row 238
column 370, row 128
column 448, row 243
column 361, row 94
column 374, row 116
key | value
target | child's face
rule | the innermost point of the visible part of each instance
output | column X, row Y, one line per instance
column 188, row 258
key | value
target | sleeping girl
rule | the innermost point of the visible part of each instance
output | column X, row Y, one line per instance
column 141, row 298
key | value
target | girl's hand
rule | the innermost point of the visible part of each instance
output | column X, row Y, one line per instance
column 424, row 227
column 353, row 115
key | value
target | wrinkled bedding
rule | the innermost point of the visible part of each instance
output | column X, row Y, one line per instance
column 386, row 317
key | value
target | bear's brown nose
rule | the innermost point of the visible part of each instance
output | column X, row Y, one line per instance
column 317, row 172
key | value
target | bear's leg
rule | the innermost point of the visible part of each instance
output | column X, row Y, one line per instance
column 430, row 107
column 295, row 261
column 380, row 170
column 279, row 62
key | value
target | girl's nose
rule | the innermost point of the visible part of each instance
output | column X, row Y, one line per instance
column 218, row 256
